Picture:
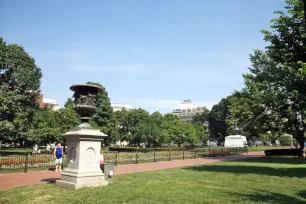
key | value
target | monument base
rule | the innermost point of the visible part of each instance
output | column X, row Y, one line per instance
column 76, row 180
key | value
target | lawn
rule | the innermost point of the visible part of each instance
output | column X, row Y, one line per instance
column 262, row 180
column 259, row 149
column 15, row 150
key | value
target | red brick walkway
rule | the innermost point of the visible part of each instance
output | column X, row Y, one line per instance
column 10, row 181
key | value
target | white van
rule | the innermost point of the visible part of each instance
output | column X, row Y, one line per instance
column 235, row 141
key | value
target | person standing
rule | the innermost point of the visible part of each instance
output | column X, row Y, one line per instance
column 58, row 154
column 48, row 148
column 102, row 161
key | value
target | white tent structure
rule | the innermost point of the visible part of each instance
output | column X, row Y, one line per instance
column 235, row 141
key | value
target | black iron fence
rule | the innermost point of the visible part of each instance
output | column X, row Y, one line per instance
column 24, row 161
column 11, row 162
column 155, row 156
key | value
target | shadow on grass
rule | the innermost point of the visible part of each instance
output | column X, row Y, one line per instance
column 277, row 160
column 272, row 197
column 236, row 169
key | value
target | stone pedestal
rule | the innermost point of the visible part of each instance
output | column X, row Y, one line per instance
column 83, row 159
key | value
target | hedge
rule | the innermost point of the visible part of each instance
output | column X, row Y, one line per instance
column 139, row 149
column 283, row 152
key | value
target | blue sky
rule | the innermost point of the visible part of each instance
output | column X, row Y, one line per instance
column 141, row 51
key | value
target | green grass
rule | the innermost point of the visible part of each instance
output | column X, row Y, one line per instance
column 262, row 180
column 11, row 149
column 259, row 149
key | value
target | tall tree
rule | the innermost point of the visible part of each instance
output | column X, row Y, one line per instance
column 105, row 119
column 19, row 88
column 201, row 132
column 217, row 120
column 157, row 117
column 279, row 73
column 201, row 117
column 44, row 128
column 173, row 130
column 147, row 132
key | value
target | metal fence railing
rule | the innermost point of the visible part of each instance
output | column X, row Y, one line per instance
column 156, row 156
column 24, row 162
column 11, row 162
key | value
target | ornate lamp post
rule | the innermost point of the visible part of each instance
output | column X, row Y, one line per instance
column 84, row 144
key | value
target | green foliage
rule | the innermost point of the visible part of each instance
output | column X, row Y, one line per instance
column 145, row 150
column 201, row 132
column 274, row 98
column 19, row 88
column 201, row 117
column 49, row 126
column 147, row 131
column 175, row 131
column 217, row 119
column 105, row 119
column 285, row 140
column 132, row 126
column 267, row 138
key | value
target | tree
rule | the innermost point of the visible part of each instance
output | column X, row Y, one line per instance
column 250, row 110
column 147, row 132
column 105, row 119
column 69, row 103
column 157, row 117
column 201, row 132
column 279, row 73
column 19, row 88
column 201, row 117
column 44, row 128
column 136, row 117
column 285, row 140
column 217, row 120
column 173, row 130
column 123, row 125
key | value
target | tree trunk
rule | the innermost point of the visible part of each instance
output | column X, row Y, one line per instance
column 105, row 143
column 301, row 140
column 64, row 145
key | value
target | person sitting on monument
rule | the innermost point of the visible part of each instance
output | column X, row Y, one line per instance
column 58, row 154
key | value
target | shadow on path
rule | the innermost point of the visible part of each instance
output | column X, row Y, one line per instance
column 50, row 180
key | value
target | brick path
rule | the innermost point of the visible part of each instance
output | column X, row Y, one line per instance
column 10, row 181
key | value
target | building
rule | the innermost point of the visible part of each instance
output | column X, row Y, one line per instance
column 187, row 110
column 121, row 106
column 48, row 102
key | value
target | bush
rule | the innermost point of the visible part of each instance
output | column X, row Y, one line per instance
column 145, row 150
column 285, row 140
column 283, row 152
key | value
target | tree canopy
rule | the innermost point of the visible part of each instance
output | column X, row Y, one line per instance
column 19, row 88
column 274, row 97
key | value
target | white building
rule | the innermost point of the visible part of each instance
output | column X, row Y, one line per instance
column 52, row 103
column 48, row 102
column 121, row 106
column 187, row 110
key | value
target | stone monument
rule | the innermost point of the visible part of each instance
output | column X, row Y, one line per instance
column 84, row 144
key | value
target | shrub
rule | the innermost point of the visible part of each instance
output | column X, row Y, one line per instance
column 285, row 140
column 283, row 152
column 144, row 150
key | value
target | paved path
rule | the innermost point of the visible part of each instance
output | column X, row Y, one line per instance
column 10, row 181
